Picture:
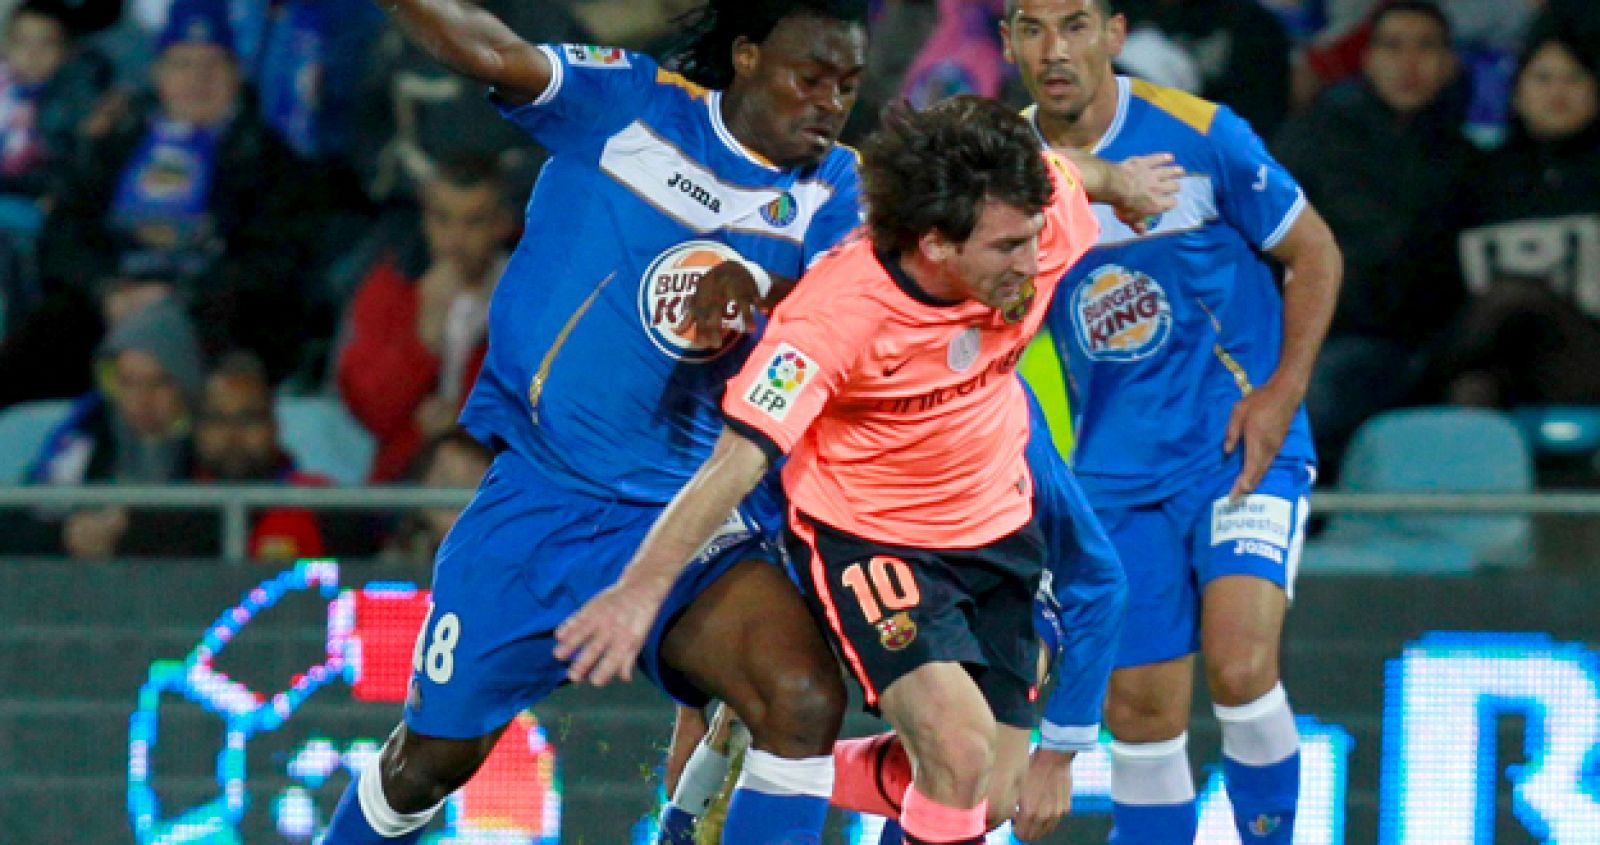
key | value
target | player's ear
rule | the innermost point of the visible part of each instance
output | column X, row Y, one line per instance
column 935, row 247
column 1116, row 34
column 746, row 56
column 1005, row 42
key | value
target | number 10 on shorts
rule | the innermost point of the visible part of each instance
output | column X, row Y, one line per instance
column 883, row 582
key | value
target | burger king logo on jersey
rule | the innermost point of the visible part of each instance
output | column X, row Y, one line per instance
column 664, row 296
column 1121, row 314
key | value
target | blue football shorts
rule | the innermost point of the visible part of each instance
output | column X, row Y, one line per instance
column 524, row 556
column 1173, row 548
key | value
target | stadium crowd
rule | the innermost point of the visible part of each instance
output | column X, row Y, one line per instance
column 210, row 205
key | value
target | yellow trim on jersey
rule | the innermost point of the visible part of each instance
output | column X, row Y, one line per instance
column 536, row 386
column 1042, row 369
column 1191, row 110
column 1241, row 379
column 667, row 77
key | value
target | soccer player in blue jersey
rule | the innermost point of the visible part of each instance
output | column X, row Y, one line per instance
column 599, row 408
column 1188, row 368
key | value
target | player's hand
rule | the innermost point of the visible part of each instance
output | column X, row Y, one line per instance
column 726, row 292
column 1261, row 420
column 1046, row 794
column 605, row 636
column 1146, row 186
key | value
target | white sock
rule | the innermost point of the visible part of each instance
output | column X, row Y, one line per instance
column 386, row 820
column 1261, row 732
column 702, row 777
column 774, row 775
column 1151, row 772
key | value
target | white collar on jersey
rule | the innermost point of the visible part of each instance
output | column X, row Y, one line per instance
column 714, row 105
column 1124, row 91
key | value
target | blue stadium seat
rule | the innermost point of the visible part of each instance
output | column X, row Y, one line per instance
column 23, row 429
column 1560, row 429
column 1429, row 450
column 324, row 438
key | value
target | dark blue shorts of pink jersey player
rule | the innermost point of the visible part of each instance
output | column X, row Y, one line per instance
column 1173, row 548
column 524, row 556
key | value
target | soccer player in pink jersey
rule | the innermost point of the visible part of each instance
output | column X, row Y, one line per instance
column 886, row 380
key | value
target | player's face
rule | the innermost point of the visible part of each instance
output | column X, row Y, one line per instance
column 197, row 83
column 1556, row 96
column 145, row 394
column 236, row 437
column 797, row 87
column 1063, row 49
column 1409, row 60
column 994, row 264
column 464, row 225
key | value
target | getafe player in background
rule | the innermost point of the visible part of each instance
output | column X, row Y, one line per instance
column 600, row 410
column 1189, row 369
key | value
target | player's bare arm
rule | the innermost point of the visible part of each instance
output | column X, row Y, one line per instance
column 604, row 637
column 1139, row 188
column 1261, row 419
column 475, row 44
column 727, row 291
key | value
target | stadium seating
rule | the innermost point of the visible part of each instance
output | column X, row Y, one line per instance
column 23, row 429
column 324, row 438
column 1560, row 430
column 1429, row 450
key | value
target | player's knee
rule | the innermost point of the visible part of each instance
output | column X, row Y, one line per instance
column 1145, row 715
column 419, row 772
column 1242, row 675
column 802, row 713
column 959, row 756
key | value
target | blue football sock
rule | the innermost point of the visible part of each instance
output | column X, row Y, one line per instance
column 676, row 827
column 779, row 801
column 1152, row 793
column 1261, row 767
column 350, row 824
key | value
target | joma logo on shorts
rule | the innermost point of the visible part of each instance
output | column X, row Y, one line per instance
column 1259, row 549
column 695, row 192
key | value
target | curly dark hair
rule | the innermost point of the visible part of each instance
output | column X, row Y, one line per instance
column 704, row 55
column 930, row 170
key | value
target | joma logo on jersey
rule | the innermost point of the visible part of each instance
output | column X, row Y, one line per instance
column 664, row 294
column 1121, row 314
column 695, row 192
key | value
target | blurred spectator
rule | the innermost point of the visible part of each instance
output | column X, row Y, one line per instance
column 48, row 86
column 1532, row 332
column 415, row 113
column 452, row 459
column 236, row 442
column 415, row 337
column 312, row 60
column 193, row 188
column 1385, row 162
column 1239, row 47
column 134, row 429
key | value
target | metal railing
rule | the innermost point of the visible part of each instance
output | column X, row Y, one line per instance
column 236, row 502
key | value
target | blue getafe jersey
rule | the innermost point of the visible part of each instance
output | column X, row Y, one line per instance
column 1162, row 333
column 646, row 189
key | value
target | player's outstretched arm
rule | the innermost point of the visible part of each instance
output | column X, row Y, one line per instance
column 1139, row 188
column 605, row 636
column 475, row 44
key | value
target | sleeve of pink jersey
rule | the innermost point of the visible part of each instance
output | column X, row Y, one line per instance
column 1069, row 228
column 803, row 359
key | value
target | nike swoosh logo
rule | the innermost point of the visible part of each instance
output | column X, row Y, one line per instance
column 895, row 368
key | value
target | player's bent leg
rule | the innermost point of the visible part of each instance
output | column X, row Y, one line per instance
column 1152, row 788
column 749, row 640
column 1241, row 626
column 949, row 731
column 404, row 786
